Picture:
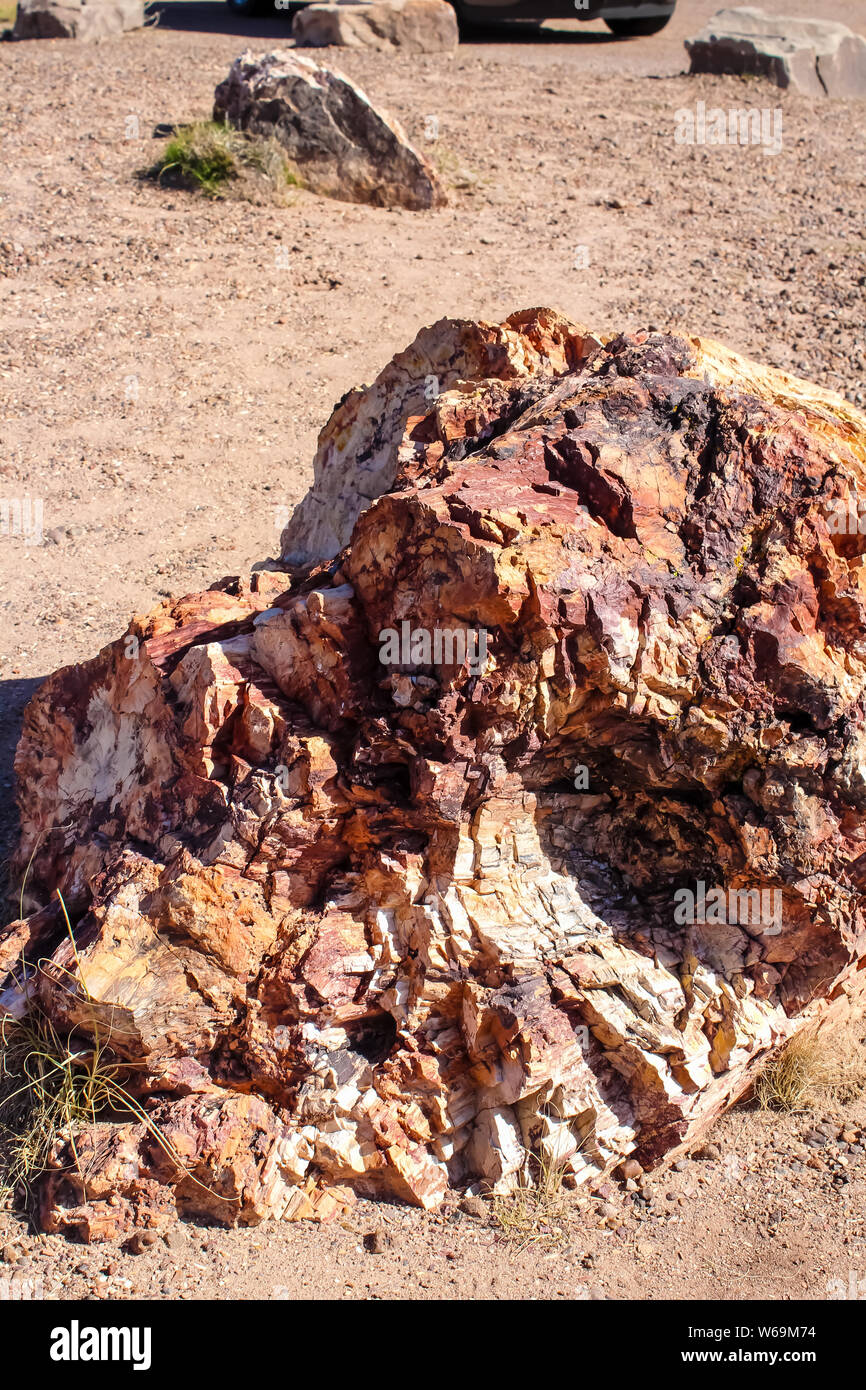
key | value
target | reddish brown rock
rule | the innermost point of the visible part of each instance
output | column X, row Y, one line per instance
column 454, row 382
column 373, row 928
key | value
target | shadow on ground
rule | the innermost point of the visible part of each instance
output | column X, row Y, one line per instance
column 14, row 695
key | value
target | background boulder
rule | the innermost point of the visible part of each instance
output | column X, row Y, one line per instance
column 815, row 56
column 417, row 26
column 76, row 19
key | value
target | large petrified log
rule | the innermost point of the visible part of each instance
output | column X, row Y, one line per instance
column 529, row 823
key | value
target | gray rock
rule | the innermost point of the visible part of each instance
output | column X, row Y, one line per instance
column 417, row 26
column 76, row 19
column 338, row 141
column 831, row 1128
column 816, row 1140
column 815, row 56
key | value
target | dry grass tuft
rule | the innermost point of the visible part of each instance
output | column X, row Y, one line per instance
column 220, row 162
column 48, row 1088
column 51, row 1086
column 814, row 1070
column 532, row 1214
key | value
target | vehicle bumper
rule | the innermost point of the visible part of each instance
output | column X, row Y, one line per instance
column 566, row 9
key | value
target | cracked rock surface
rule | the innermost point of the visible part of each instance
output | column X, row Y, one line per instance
column 386, row 929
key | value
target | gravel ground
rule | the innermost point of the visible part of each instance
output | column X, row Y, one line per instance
column 774, row 1210
column 166, row 363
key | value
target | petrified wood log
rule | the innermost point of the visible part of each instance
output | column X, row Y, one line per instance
column 530, row 823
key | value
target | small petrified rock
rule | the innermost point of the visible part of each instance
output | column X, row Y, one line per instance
column 140, row 1242
column 710, row 1153
column 337, row 140
column 816, row 1140
column 630, row 1170
column 377, row 1242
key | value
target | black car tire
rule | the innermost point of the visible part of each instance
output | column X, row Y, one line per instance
column 250, row 7
column 468, row 27
column 637, row 28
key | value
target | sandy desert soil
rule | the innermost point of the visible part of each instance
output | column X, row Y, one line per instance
column 165, row 365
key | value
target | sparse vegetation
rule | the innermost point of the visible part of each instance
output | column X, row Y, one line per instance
column 51, row 1085
column 48, row 1087
column 220, row 162
column 812, row 1070
column 454, row 172
column 533, row 1212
